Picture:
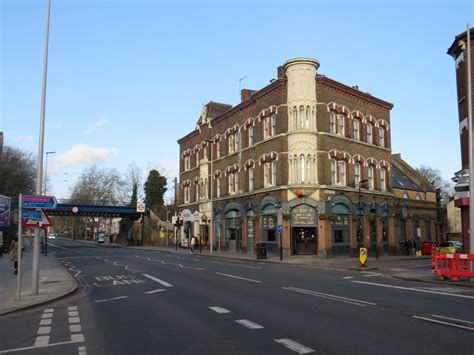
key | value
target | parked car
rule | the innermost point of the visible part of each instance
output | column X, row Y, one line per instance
column 52, row 236
column 451, row 246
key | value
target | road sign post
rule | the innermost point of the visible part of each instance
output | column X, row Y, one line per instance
column 363, row 256
column 280, row 230
column 20, row 232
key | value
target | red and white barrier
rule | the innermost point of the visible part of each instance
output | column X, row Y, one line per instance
column 453, row 266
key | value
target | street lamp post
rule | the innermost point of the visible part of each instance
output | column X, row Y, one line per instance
column 39, row 176
column 359, row 215
column 46, row 173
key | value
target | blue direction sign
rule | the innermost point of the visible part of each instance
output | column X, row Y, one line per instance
column 35, row 201
column 280, row 229
column 4, row 211
column 32, row 214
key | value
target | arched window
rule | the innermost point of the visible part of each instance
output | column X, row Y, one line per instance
column 381, row 137
column 357, row 172
column 218, row 187
column 302, row 166
column 273, row 130
column 370, row 139
column 307, row 117
column 383, row 179
column 370, row 176
column 333, row 172
column 197, row 192
column 405, row 196
column 295, row 118
column 418, row 197
column 251, row 178
column 356, row 130
column 295, row 168
column 218, row 149
column 308, row 169
column 250, row 136
column 340, row 125
column 301, row 117
column 332, row 122
column 342, row 172
column 274, row 173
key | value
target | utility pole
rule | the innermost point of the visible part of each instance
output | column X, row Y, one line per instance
column 39, row 176
column 470, row 132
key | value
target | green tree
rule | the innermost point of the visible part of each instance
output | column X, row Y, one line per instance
column 155, row 189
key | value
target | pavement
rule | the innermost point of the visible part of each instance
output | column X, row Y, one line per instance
column 54, row 282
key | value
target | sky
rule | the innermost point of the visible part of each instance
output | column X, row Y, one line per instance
column 127, row 79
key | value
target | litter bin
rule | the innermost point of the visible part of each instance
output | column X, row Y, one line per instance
column 427, row 247
column 261, row 251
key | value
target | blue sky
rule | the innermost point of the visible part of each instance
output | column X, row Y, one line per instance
column 126, row 79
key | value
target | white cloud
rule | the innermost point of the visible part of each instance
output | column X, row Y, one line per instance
column 101, row 121
column 22, row 139
column 81, row 154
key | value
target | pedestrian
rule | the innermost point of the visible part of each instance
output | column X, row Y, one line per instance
column 413, row 246
column 193, row 243
column 13, row 253
column 407, row 246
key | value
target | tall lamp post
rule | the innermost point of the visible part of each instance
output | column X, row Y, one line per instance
column 359, row 216
column 45, row 192
column 211, row 229
column 39, row 176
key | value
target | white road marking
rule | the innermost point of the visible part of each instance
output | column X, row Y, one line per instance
column 238, row 277
column 164, row 283
column 111, row 299
column 73, row 313
column 45, row 322
column 454, row 319
column 42, row 341
column 82, row 350
column 293, row 345
column 348, row 277
column 219, row 309
column 353, row 301
column 155, row 291
column 79, row 338
column 44, row 330
column 444, row 323
column 74, row 320
column 56, row 246
column 40, row 346
column 190, row 267
column 49, row 310
column 412, row 289
column 248, row 324
column 72, row 308
column 47, row 315
column 75, row 328
column 372, row 275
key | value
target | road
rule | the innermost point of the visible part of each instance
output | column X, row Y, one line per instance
column 147, row 302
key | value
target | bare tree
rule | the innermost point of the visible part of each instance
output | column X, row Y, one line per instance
column 97, row 185
column 133, row 179
column 17, row 172
column 434, row 176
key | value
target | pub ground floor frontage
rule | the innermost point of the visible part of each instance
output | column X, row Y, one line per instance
column 334, row 226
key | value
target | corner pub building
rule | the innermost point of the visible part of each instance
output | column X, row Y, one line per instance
column 317, row 149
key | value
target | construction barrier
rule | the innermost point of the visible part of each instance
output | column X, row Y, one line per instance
column 453, row 266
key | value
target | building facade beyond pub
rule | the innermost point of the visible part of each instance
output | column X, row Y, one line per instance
column 316, row 150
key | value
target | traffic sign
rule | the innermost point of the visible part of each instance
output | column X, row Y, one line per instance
column 140, row 207
column 43, row 222
column 35, row 201
column 280, row 229
column 31, row 214
column 280, row 217
column 363, row 256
